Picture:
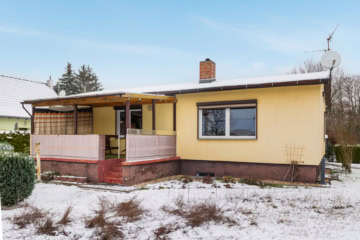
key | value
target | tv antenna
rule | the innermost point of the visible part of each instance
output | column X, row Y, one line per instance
column 330, row 59
column 328, row 42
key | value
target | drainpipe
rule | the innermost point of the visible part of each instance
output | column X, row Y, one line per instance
column 26, row 109
column 322, row 170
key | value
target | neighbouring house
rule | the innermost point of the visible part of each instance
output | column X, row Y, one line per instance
column 269, row 128
column 13, row 116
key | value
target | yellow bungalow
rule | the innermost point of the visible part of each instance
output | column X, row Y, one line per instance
column 264, row 128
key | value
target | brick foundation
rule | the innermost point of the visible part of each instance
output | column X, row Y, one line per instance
column 138, row 172
column 133, row 174
column 89, row 170
column 262, row 171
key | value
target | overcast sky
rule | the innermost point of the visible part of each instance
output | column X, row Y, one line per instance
column 138, row 43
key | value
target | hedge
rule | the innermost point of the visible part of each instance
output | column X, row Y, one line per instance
column 356, row 154
column 19, row 140
column 17, row 177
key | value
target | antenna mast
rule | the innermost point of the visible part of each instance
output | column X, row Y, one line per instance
column 328, row 42
column 330, row 37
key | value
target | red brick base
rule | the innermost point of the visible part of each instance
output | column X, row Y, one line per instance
column 89, row 170
column 97, row 171
column 133, row 174
column 261, row 171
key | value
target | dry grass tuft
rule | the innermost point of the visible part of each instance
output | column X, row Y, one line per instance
column 47, row 227
column 197, row 214
column 105, row 229
column 162, row 232
column 65, row 219
column 97, row 221
column 131, row 209
column 28, row 216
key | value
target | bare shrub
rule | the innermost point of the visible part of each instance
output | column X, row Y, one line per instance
column 208, row 180
column 46, row 227
column 28, row 216
column 228, row 179
column 197, row 214
column 186, row 179
column 131, row 209
column 65, row 219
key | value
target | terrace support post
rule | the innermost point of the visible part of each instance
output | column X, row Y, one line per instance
column 33, row 120
column 75, row 119
column 174, row 116
column 153, row 114
column 127, row 115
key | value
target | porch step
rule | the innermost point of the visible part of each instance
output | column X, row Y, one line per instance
column 116, row 169
column 114, row 174
column 112, row 180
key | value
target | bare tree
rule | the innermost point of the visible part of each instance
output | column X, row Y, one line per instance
column 343, row 120
column 308, row 66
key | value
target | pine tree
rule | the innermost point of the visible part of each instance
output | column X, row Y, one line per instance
column 67, row 82
column 86, row 80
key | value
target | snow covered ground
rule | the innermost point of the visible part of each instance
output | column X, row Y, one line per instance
column 256, row 213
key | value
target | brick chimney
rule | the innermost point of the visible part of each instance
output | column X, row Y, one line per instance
column 207, row 71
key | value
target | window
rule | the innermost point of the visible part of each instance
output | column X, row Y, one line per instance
column 135, row 119
column 227, row 120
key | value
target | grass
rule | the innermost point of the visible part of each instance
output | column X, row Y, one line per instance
column 114, row 156
column 131, row 209
column 47, row 227
column 65, row 219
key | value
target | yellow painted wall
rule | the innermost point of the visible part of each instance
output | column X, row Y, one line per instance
column 164, row 117
column 104, row 120
column 104, row 123
column 8, row 124
column 292, row 116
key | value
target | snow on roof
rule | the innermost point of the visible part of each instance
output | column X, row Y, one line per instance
column 161, row 89
column 218, row 83
column 14, row 90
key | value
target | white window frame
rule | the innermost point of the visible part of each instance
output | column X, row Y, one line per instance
column 118, row 121
column 227, row 126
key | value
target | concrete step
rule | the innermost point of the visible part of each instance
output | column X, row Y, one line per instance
column 112, row 180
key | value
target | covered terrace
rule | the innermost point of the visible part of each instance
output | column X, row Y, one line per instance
column 65, row 129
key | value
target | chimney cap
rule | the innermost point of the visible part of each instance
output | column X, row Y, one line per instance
column 207, row 59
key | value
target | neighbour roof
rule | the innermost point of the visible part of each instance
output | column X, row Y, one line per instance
column 218, row 85
column 15, row 90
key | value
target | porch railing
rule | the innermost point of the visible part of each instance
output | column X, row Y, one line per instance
column 149, row 145
column 88, row 147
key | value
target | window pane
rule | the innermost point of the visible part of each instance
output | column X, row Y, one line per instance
column 122, row 123
column 242, row 121
column 213, row 122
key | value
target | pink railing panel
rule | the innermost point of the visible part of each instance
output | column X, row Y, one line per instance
column 88, row 147
column 149, row 147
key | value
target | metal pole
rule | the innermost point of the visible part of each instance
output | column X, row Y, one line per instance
column 38, row 164
column 322, row 170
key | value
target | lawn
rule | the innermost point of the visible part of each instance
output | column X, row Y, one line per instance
column 185, row 209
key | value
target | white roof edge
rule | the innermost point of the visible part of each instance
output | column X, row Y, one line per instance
column 195, row 85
